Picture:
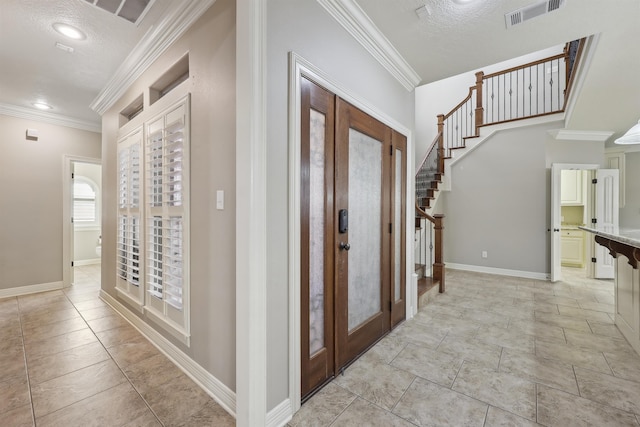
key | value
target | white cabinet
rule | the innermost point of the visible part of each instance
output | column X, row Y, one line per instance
column 572, row 248
column 572, row 187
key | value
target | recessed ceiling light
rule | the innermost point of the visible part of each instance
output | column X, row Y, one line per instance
column 42, row 106
column 69, row 31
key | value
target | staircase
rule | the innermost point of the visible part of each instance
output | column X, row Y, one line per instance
column 536, row 89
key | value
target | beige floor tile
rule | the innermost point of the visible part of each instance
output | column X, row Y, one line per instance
column 415, row 332
column 211, row 414
column 598, row 342
column 565, row 322
column 597, row 306
column 361, row 410
column 11, row 347
column 569, row 302
column 64, row 362
column 605, row 329
column 559, row 409
column 97, row 312
column 625, row 366
column 609, row 390
column 39, row 319
column 176, row 400
column 450, row 324
column 567, row 353
column 84, row 296
column 499, row 389
column 536, row 306
column 36, row 309
column 146, row 420
column 428, row 404
column 14, row 393
column 35, row 332
column 538, row 330
column 10, row 328
column 485, row 318
column 107, row 322
column 18, row 417
column 431, row 365
column 151, row 372
column 59, row 392
column 87, row 305
column 324, row 407
column 46, row 347
column 471, row 350
column 132, row 352
column 113, row 337
column 386, row 349
column 440, row 308
column 496, row 417
column 114, row 406
column 579, row 313
column 543, row 371
column 36, row 300
column 376, row 382
column 507, row 338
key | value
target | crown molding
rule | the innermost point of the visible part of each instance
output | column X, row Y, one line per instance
column 359, row 25
column 51, row 118
column 178, row 18
column 580, row 135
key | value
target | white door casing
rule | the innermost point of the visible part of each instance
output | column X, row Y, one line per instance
column 607, row 215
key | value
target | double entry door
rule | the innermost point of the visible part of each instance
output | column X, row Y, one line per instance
column 353, row 184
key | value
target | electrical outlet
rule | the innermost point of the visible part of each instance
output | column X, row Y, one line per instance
column 484, row 254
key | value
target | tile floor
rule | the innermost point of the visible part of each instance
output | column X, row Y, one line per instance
column 493, row 351
column 67, row 359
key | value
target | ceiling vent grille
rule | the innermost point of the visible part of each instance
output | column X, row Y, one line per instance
column 131, row 10
column 532, row 11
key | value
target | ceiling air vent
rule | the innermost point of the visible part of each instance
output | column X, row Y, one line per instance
column 532, row 11
column 131, row 10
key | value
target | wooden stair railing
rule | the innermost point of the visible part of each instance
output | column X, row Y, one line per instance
column 438, row 267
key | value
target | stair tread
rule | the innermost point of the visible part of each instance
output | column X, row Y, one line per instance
column 425, row 284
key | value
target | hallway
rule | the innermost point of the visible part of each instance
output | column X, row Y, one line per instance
column 86, row 366
column 493, row 351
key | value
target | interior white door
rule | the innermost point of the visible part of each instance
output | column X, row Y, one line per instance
column 607, row 215
column 556, row 182
column 72, row 228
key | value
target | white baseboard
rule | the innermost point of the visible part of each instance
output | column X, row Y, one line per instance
column 30, row 289
column 91, row 261
column 498, row 271
column 280, row 415
column 210, row 384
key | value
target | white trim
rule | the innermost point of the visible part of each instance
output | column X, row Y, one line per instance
column 81, row 262
column 210, row 384
column 622, row 149
column 251, row 213
column 498, row 271
column 298, row 66
column 30, row 289
column 175, row 22
column 137, row 305
column 353, row 19
column 67, row 206
column 280, row 415
column 579, row 135
column 51, row 118
column 163, row 321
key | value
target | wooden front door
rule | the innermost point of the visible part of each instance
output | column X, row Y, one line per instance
column 353, row 184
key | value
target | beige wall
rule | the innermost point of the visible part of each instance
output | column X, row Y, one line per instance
column 211, row 46
column 31, row 207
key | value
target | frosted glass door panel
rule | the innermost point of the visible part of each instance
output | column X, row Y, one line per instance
column 365, row 193
column 316, row 231
column 397, row 222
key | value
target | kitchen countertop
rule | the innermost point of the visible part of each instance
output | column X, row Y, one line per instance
column 627, row 236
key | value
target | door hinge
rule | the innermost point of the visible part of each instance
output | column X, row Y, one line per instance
column 71, row 263
column 71, row 220
column 390, row 306
column 594, row 181
column 73, row 175
column 390, row 228
column 391, row 150
column 593, row 260
column 594, row 220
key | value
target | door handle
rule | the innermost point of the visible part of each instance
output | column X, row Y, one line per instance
column 345, row 246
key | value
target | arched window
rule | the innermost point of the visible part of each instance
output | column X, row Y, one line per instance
column 85, row 206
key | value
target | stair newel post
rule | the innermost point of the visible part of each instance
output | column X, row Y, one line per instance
column 479, row 116
column 567, row 64
column 438, row 264
column 441, row 143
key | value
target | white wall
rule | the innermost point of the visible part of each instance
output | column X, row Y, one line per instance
column 304, row 27
column 630, row 214
column 500, row 198
column 441, row 96
column 85, row 237
column 31, row 211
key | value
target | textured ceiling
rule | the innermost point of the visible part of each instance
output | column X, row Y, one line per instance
column 457, row 38
column 34, row 69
